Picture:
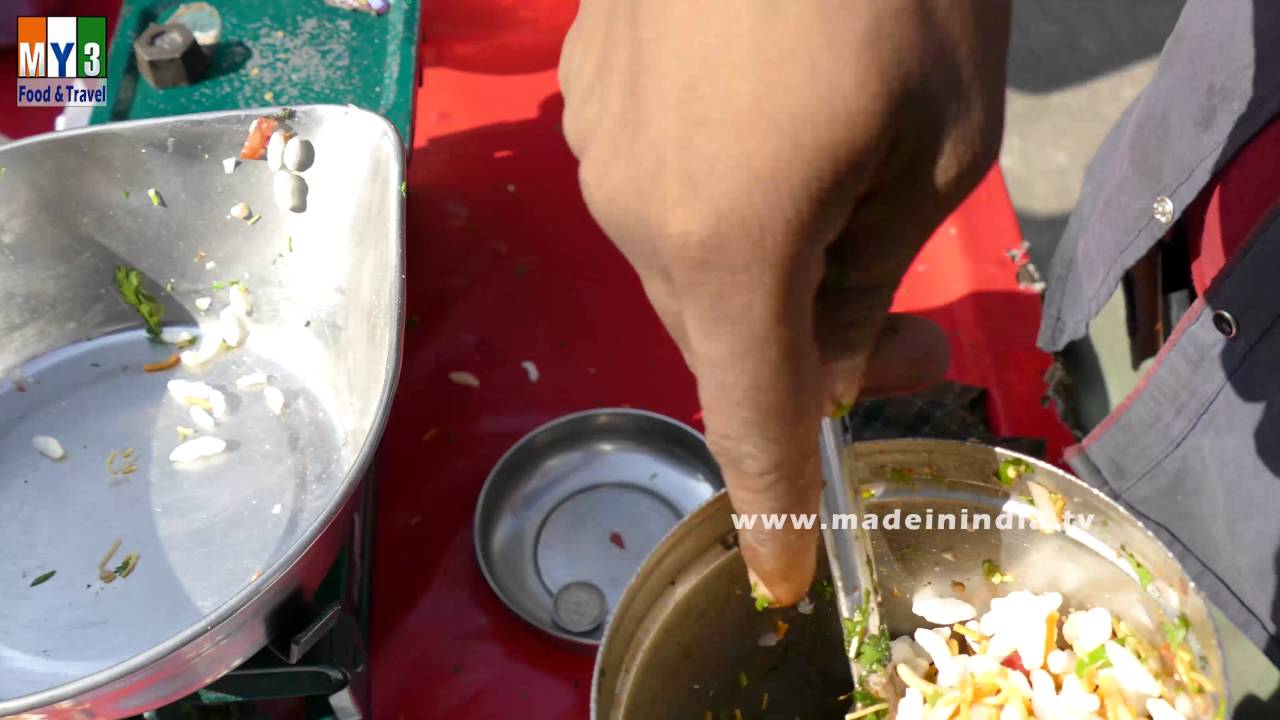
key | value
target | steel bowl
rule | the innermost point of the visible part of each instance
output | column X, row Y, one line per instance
column 573, row 508
column 223, row 542
column 684, row 641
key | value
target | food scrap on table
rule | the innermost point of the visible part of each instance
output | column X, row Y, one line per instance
column 993, row 573
column 464, row 378
column 615, row 538
column 531, row 370
column 156, row 200
column 254, row 379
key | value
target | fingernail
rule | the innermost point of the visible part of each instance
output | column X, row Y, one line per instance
column 759, row 590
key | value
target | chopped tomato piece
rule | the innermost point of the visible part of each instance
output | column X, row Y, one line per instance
column 255, row 145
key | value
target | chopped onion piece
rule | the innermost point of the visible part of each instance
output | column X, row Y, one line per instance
column 240, row 299
column 197, row 448
column 202, row 418
column 210, row 344
column 240, row 211
column 1129, row 671
column 176, row 336
column 233, row 330
column 203, row 303
column 805, row 606
column 229, row 165
column 49, row 447
column 1160, row 709
column 274, row 398
column 1047, row 515
column 943, row 610
column 252, row 380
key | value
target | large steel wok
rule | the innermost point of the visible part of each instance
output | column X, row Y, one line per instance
column 221, row 542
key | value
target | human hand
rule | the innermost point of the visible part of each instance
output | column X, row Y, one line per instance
column 770, row 170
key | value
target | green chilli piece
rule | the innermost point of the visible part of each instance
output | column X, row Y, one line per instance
column 1097, row 658
column 43, row 578
column 1011, row 469
column 1144, row 575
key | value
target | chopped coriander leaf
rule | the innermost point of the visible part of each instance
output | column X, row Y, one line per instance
column 126, row 194
column 42, row 579
column 762, row 602
column 825, row 588
column 873, row 653
column 1097, row 658
column 129, row 284
column 863, row 699
column 842, row 409
column 126, row 567
column 742, row 679
column 850, row 630
column 217, row 285
column 1144, row 575
column 993, row 573
column 1176, row 633
column 1011, row 469
column 404, row 191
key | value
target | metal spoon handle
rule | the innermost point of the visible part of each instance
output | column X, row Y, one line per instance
column 848, row 543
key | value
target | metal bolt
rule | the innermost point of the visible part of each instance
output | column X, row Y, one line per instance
column 1163, row 210
column 168, row 56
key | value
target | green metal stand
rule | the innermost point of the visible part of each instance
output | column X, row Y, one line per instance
column 289, row 52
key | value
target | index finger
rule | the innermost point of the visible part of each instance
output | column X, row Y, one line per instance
column 751, row 346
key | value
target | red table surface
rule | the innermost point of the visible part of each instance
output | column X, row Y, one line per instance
column 505, row 265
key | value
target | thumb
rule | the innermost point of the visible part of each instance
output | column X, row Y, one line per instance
column 909, row 353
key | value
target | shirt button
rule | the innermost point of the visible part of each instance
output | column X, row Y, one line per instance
column 1162, row 209
column 1225, row 324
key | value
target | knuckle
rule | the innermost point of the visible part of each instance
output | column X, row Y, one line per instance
column 760, row 461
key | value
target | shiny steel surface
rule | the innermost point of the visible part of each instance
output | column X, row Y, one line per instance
column 584, row 499
column 849, row 554
column 221, row 542
column 686, row 628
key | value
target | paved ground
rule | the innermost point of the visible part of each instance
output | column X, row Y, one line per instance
column 1073, row 66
